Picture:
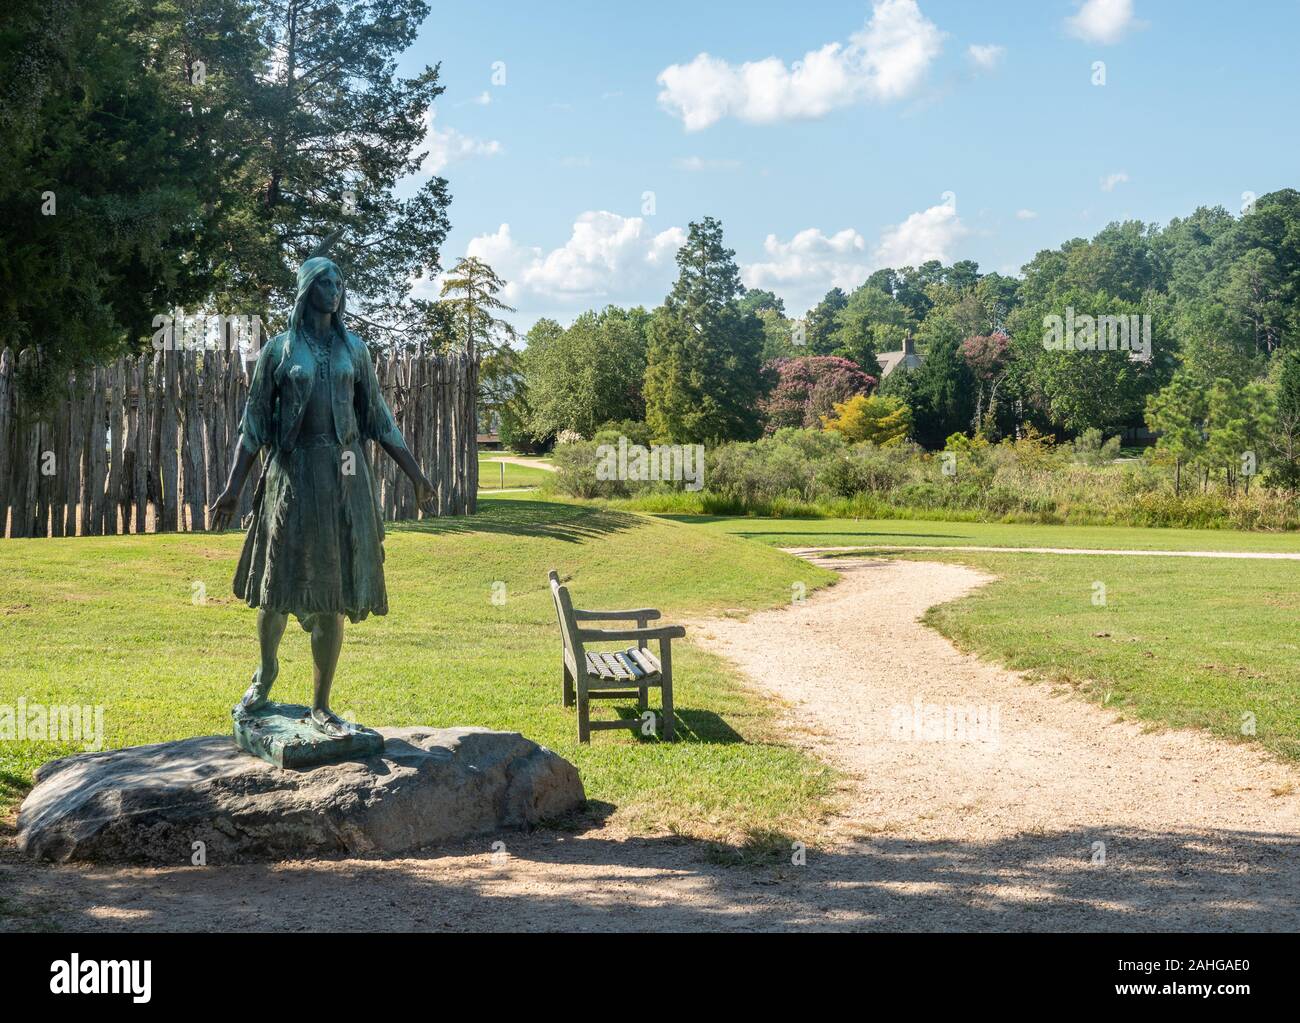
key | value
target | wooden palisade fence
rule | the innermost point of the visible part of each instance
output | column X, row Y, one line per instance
column 145, row 444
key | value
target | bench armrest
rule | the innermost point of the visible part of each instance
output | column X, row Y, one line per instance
column 663, row 632
column 636, row 614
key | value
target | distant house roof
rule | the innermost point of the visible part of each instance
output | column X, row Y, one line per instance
column 907, row 358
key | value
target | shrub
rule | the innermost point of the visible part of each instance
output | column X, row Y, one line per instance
column 1091, row 449
column 635, row 432
column 878, row 419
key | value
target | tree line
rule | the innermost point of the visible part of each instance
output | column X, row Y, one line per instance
column 1213, row 365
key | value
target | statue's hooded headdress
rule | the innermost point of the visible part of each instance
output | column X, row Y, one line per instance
column 307, row 274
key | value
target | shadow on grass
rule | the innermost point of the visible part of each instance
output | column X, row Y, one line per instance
column 700, row 727
column 545, row 519
column 1153, row 880
column 14, row 786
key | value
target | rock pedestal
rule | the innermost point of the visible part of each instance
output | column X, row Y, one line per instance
column 151, row 804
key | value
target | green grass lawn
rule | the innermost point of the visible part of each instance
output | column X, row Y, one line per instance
column 112, row 621
column 490, row 473
column 897, row 532
column 1184, row 642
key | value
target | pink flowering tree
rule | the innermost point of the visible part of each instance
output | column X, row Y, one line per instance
column 808, row 388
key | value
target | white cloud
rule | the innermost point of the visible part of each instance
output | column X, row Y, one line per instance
column 1109, row 182
column 483, row 98
column 987, row 56
column 1102, row 21
column 930, row 234
column 446, row 146
column 810, row 259
column 607, row 257
column 885, row 60
column 699, row 163
column 1026, row 215
column 803, row 269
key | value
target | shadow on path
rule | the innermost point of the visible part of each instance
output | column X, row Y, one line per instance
column 1237, row 881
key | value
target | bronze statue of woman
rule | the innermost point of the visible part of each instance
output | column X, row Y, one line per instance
column 315, row 546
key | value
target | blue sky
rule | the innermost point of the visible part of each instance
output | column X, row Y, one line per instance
column 890, row 141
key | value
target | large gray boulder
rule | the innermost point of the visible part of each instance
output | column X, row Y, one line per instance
column 150, row 804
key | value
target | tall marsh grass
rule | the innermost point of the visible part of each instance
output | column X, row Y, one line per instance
column 813, row 474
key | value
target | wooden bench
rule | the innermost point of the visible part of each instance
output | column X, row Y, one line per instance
column 622, row 674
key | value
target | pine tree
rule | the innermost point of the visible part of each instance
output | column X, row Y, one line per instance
column 469, row 293
column 1177, row 413
column 703, row 377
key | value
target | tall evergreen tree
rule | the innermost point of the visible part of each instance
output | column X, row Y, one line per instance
column 704, row 369
column 820, row 323
column 942, row 392
column 113, row 169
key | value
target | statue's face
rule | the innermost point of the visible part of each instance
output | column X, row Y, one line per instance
column 326, row 292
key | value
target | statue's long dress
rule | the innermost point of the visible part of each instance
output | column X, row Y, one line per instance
column 315, row 545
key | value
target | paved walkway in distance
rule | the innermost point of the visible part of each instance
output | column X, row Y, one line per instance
column 527, row 463
column 891, row 548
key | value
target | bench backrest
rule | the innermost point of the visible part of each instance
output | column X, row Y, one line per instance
column 568, row 624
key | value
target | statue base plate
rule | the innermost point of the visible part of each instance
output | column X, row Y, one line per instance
column 282, row 734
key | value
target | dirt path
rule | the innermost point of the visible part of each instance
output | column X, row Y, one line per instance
column 997, row 832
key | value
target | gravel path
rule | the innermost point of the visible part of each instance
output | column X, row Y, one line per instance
column 1056, row 816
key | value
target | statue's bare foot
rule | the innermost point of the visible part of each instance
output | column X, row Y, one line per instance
column 330, row 724
column 256, row 696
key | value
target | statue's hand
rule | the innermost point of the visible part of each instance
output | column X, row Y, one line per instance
column 224, row 511
column 426, row 498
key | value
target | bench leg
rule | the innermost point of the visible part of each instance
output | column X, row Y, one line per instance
column 568, row 687
column 584, row 712
column 643, row 696
column 666, row 665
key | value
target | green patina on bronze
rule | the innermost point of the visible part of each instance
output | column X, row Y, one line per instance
column 314, row 548
column 286, row 735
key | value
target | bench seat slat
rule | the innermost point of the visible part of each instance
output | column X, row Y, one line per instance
column 648, row 662
column 629, row 667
